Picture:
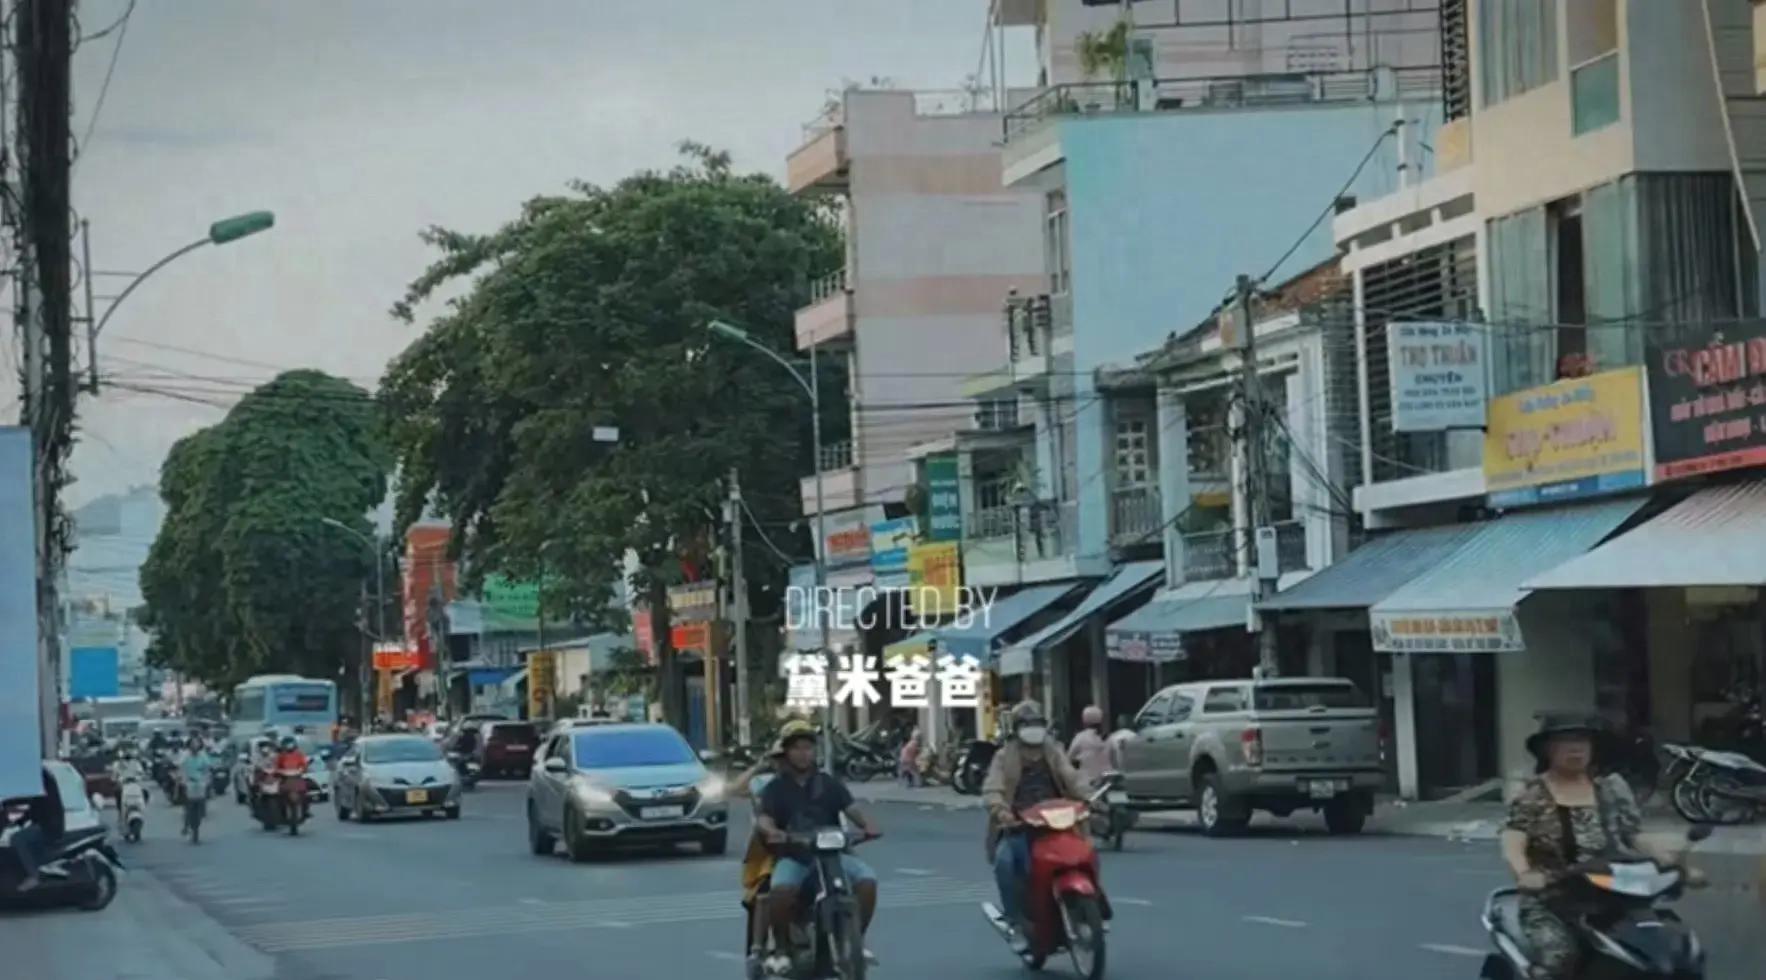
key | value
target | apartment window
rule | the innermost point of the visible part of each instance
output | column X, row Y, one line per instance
column 1517, row 47
column 1591, row 35
column 1056, row 241
column 1134, row 456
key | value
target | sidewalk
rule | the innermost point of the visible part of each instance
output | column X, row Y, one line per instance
column 1450, row 821
column 147, row 933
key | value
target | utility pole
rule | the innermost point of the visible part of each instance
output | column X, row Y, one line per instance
column 739, row 609
column 1256, row 474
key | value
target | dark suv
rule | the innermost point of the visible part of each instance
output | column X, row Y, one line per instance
column 508, row 748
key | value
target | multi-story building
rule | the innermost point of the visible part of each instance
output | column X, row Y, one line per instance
column 1519, row 316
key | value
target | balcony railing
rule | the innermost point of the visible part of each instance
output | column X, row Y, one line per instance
column 991, row 522
column 1134, row 515
column 1221, row 92
column 836, row 456
column 1044, row 529
column 1210, row 555
column 827, row 287
column 1029, row 323
column 997, row 414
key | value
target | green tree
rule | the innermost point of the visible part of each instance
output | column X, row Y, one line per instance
column 588, row 311
column 245, row 576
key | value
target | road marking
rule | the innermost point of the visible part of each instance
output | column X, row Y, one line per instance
column 1129, row 901
column 248, row 901
column 1452, row 950
column 724, row 954
column 1268, row 921
column 532, row 901
column 612, row 924
column 916, row 872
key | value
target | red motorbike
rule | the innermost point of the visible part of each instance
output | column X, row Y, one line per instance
column 1064, row 899
column 281, row 800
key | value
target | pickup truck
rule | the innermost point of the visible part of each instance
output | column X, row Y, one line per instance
column 1228, row 748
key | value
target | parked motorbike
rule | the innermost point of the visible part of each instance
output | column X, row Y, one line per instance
column 827, row 937
column 1063, row 897
column 1740, row 729
column 132, row 809
column 467, row 767
column 1110, row 816
column 281, row 800
column 81, row 870
column 971, row 767
column 860, row 762
column 1718, row 787
column 1632, row 936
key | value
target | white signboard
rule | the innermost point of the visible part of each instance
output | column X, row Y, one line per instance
column 1438, row 375
column 21, row 755
column 1492, row 631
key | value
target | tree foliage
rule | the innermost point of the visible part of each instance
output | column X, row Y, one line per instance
column 588, row 311
column 245, row 576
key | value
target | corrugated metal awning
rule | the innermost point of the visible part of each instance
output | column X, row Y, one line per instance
column 1016, row 659
column 1717, row 536
column 1466, row 602
column 992, row 622
column 1375, row 570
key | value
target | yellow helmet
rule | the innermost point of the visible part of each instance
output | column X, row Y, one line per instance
column 792, row 730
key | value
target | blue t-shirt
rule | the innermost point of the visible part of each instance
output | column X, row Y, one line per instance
column 196, row 768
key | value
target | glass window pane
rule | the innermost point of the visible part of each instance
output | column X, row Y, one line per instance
column 1594, row 95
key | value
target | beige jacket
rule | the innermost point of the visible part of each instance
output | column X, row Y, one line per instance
column 1001, row 783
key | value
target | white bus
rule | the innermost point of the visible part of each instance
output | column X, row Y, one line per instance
column 285, row 701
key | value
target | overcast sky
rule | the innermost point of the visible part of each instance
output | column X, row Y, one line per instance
column 361, row 121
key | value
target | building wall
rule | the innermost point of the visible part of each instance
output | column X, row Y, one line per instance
column 936, row 243
column 1673, row 96
column 1554, row 673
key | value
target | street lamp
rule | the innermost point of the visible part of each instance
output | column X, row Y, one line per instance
column 222, row 232
column 719, row 328
column 373, row 545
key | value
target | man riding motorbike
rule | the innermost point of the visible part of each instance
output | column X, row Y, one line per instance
column 1028, row 769
column 1089, row 752
column 196, row 770
column 43, row 824
column 126, row 767
column 804, row 799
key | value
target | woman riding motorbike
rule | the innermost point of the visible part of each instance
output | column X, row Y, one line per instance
column 757, row 860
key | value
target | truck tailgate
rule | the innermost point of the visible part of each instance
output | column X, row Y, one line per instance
column 1320, row 739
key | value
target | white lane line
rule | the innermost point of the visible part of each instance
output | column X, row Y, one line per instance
column 724, row 954
column 532, row 901
column 611, row 924
column 249, row 901
column 1452, row 950
column 1268, row 921
column 915, row 872
column 1130, row 901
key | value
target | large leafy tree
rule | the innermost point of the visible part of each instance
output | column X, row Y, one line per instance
column 588, row 312
column 245, row 576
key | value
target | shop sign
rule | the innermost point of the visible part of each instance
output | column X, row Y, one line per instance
column 846, row 536
column 1467, row 632
column 1575, row 438
column 395, row 658
column 1139, row 646
column 935, row 579
column 683, row 637
column 693, row 602
column 890, row 541
column 542, row 683
column 944, row 499
column 1438, row 372
column 1707, row 387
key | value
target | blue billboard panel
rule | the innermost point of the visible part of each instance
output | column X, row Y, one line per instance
column 92, row 673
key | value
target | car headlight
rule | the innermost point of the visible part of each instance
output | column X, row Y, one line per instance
column 712, row 788
column 589, row 794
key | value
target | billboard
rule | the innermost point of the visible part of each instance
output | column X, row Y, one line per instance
column 20, row 719
column 935, row 579
column 1438, row 373
column 1574, row 438
column 429, row 584
column 846, row 536
column 944, row 499
column 890, row 541
column 92, row 672
column 1707, row 389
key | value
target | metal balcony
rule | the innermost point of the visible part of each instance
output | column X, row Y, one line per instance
column 1134, row 515
column 829, row 317
column 821, row 162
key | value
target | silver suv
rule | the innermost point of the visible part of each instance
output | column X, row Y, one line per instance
column 603, row 785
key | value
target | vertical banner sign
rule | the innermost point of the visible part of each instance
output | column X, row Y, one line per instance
column 935, row 579
column 1438, row 375
column 944, row 499
column 542, row 683
column 800, row 609
column 1575, row 438
column 428, row 575
column 1707, row 388
column 21, row 755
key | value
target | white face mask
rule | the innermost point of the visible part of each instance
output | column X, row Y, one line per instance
column 1032, row 734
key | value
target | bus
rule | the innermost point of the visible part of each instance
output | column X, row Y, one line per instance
column 284, row 701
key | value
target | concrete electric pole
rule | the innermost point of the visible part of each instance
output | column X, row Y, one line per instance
column 739, row 610
column 1256, row 472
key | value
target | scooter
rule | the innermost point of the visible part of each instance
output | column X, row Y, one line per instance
column 281, row 800
column 132, row 809
column 1633, row 936
column 220, row 777
column 81, row 870
column 467, row 767
column 1063, row 897
column 827, row 937
column 1110, row 816
column 970, row 770
column 1718, row 787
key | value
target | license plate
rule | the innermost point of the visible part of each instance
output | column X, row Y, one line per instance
column 661, row 812
column 417, row 796
column 1322, row 789
column 1116, row 796
column 517, row 748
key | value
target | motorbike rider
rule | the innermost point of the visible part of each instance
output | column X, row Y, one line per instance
column 1565, row 814
column 757, row 860
column 1028, row 769
column 196, row 769
column 127, row 767
column 1088, row 751
column 43, row 823
column 805, row 799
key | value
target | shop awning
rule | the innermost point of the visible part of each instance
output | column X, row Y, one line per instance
column 1155, row 630
column 1466, row 602
column 488, row 676
column 992, row 622
column 1715, row 537
column 1020, row 656
column 920, row 644
column 1375, row 570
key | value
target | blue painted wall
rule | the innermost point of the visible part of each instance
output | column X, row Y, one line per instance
column 1167, row 209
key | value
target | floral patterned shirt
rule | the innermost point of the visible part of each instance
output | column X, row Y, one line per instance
column 1611, row 825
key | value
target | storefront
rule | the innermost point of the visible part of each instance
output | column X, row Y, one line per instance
column 1069, row 654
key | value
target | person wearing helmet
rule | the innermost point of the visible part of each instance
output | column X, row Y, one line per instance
column 802, row 798
column 1028, row 769
column 1089, row 752
column 757, row 860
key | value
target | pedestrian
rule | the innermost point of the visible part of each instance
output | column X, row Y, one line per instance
column 1089, row 752
column 908, row 767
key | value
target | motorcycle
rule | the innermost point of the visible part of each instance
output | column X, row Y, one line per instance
column 1718, row 787
column 1633, row 935
column 281, row 800
column 132, row 809
column 860, row 762
column 1063, row 897
column 467, row 767
column 827, row 937
column 971, row 766
column 220, row 776
column 1110, row 816
column 81, row 868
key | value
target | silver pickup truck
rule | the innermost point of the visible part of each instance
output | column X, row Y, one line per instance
column 1228, row 748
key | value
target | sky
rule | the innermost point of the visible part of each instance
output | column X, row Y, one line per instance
column 360, row 122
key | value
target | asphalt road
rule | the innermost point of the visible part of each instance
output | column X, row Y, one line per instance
column 452, row 900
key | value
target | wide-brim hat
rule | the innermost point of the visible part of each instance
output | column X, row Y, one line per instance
column 1555, row 723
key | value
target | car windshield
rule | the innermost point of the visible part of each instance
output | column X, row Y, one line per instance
column 1299, row 697
column 401, row 750
column 607, row 749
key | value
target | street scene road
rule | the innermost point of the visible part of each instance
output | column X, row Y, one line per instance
column 456, row 900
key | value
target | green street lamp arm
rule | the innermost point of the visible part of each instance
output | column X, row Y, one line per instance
column 138, row 280
column 345, row 528
column 722, row 329
column 220, row 233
